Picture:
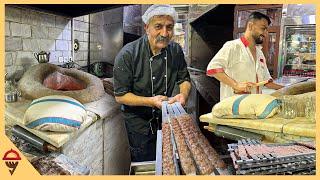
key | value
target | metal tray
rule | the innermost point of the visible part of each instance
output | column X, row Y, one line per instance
column 142, row 168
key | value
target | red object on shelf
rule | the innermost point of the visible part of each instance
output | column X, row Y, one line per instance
column 299, row 72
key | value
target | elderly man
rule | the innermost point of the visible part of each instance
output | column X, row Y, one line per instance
column 240, row 63
column 145, row 73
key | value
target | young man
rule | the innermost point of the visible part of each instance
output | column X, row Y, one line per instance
column 240, row 63
column 145, row 73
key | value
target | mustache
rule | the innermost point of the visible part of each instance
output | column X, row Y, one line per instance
column 162, row 39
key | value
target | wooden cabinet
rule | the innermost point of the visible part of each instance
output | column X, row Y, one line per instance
column 271, row 43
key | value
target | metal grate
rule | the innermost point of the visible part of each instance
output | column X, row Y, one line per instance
column 253, row 157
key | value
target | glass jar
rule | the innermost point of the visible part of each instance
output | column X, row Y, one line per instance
column 9, row 86
column 288, row 107
column 11, row 92
column 310, row 109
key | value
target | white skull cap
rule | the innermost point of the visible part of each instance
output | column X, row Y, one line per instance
column 158, row 10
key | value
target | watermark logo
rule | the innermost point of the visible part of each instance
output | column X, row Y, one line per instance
column 11, row 159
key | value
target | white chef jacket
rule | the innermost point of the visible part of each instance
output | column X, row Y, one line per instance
column 236, row 60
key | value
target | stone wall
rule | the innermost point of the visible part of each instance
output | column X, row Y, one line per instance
column 87, row 148
column 28, row 31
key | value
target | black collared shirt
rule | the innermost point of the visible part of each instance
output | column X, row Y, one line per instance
column 137, row 71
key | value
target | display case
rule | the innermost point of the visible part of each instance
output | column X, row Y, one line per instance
column 299, row 51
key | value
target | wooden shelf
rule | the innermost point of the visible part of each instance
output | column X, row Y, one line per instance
column 301, row 41
column 300, row 64
column 301, row 53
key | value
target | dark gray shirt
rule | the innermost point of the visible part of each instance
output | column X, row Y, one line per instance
column 137, row 71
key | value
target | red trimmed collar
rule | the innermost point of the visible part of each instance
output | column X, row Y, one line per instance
column 244, row 41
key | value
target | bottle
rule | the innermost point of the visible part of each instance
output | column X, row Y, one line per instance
column 288, row 110
column 310, row 109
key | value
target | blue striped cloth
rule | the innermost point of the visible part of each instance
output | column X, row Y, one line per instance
column 55, row 113
column 268, row 109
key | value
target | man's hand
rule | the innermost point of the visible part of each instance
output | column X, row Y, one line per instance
column 157, row 100
column 243, row 87
column 178, row 98
column 238, row 87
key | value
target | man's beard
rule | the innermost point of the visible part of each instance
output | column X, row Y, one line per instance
column 259, row 39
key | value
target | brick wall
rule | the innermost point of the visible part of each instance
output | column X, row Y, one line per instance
column 81, row 33
column 28, row 31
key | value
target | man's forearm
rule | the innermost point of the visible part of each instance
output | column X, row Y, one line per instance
column 224, row 78
column 131, row 99
column 185, row 88
column 272, row 85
